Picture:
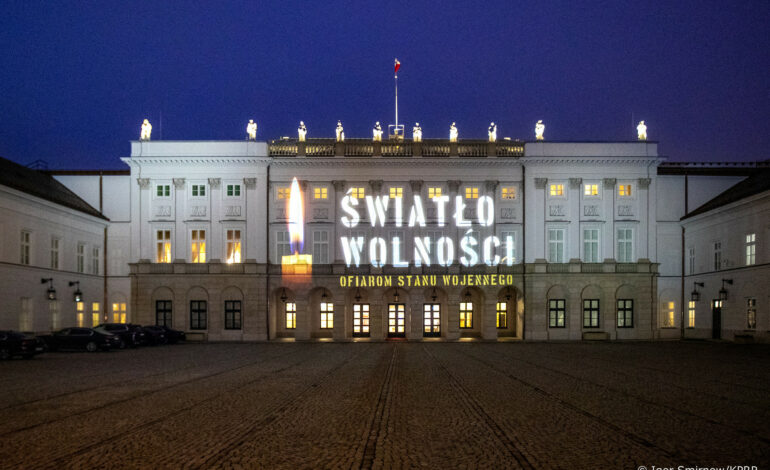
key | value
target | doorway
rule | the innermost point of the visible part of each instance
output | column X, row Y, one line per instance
column 396, row 320
column 716, row 319
column 431, row 320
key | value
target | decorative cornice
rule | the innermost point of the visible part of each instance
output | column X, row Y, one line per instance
column 540, row 183
column 215, row 182
column 644, row 183
column 178, row 183
column 143, row 183
column 574, row 183
column 609, row 183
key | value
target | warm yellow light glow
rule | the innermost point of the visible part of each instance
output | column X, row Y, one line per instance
column 492, row 132
column 396, row 192
column 301, row 131
column 434, row 192
column 557, row 190
column 509, row 193
column 296, row 263
column 198, row 246
column 95, row 313
column 320, row 193
column 119, row 312
column 327, row 315
column 80, row 308
column 591, row 190
column 357, row 193
column 233, row 246
column 453, row 133
column 377, row 132
column 340, row 132
column 163, row 253
column 466, row 314
column 291, row 315
column 417, row 132
column 624, row 190
column 471, row 193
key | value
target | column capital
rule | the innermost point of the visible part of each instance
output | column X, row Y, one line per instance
column 339, row 185
column 609, row 183
column 453, row 185
column 540, row 183
column 416, row 185
column 644, row 183
column 215, row 182
column 178, row 183
column 143, row 183
column 250, row 183
column 491, row 185
column 574, row 183
column 376, row 185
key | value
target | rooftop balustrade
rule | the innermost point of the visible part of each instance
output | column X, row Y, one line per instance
column 395, row 148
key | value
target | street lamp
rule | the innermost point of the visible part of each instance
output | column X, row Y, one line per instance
column 78, row 296
column 723, row 291
column 695, row 295
column 51, row 292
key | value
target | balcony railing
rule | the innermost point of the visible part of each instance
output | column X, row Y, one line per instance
column 395, row 148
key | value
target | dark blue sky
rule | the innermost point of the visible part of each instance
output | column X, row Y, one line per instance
column 77, row 78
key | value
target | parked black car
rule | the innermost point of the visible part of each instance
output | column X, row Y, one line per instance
column 14, row 343
column 90, row 339
column 128, row 336
column 155, row 335
column 140, row 336
column 173, row 336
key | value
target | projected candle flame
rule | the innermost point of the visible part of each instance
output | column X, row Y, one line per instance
column 296, row 224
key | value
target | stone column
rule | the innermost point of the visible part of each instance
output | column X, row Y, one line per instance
column 251, row 201
column 378, row 317
column 335, row 252
column 141, row 232
column 341, row 329
column 645, row 222
column 608, row 211
column 536, row 236
column 452, row 311
column 304, row 316
column 214, row 234
column 489, row 317
column 573, row 215
column 180, row 237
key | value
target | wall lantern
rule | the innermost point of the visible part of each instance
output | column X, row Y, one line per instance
column 508, row 294
column 51, row 292
column 467, row 296
column 434, row 295
column 78, row 296
column 323, row 297
column 358, row 295
column 284, row 297
column 695, row 295
column 723, row 291
column 395, row 296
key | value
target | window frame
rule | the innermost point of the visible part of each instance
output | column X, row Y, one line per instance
column 326, row 312
column 471, row 192
column 365, row 318
column 562, row 243
column 200, row 189
column 319, row 246
column 25, row 247
column 691, row 308
column 508, row 193
column 619, row 250
column 751, row 313
column 320, row 193
column 625, row 313
column 435, row 191
column 626, row 188
column 589, row 319
column 198, row 314
column 167, row 311
column 55, row 252
column 750, row 251
column 556, row 190
column 716, row 249
column 588, row 190
column 396, row 192
column 164, row 190
column 501, row 311
column 556, row 307
column 233, row 190
column 80, row 258
column 164, row 241
column 198, row 241
column 466, row 315
column 235, row 242
column 233, row 315
column 95, row 260
column 596, row 242
column 290, row 315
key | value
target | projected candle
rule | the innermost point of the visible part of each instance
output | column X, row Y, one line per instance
column 296, row 263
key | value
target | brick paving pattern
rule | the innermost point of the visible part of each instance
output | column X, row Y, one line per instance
column 390, row 405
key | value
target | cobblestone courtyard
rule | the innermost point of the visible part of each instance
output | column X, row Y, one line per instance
column 383, row 405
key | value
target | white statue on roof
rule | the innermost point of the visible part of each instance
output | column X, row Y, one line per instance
column 417, row 132
column 539, row 130
column 492, row 131
column 340, row 132
column 641, row 131
column 453, row 133
column 146, row 130
column 251, row 129
column 377, row 132
column 301, row 131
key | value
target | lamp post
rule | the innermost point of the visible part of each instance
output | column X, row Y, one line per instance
column 50, row 292
column 77, row 296
column 695, row 295
column 723, row 291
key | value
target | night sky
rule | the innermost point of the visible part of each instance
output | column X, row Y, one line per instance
column 77, row 78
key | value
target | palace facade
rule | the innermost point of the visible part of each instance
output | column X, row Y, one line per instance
column 402, row 239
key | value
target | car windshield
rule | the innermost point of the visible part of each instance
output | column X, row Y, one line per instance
column 101, row 330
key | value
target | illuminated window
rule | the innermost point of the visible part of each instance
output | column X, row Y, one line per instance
column 233, row 190
column 283, row 193
column 96, row 313
column 320, row 193
column 80, row 258
column 357, row 193
column 119, row 312
column 751, row 314
column 233, row 246
column 751, row 249
column 590, row 313
column 466, row 314
column 290, row 313
column 163, row 313
column 26, row 242
column 198, row 190
column 557, row 190
column 53, row 310
column 434, row 192
column 232, row 314
column 556, row 313
column 54, row 253
column 472, row 193
column 502, row 315
column 198, row 314
column 198, row 246
column 431, row 318
column 555, row 245
column 396, row 319
column 360, row 319
column 95, row 260
column 691, row 314
column 163, row 190
column 668, row 315
column 327, row 315
column 625, row 313
column 624, row 190
column 80, row 313
column 509, row 192
column 163, row 246
column 591, row 245
column 717, row 256
column 321, row 246
column 625, row 245
column 282, row 244
column 396, row 192
column 591, row 190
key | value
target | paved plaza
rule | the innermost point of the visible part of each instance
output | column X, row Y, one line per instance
column 390, row 405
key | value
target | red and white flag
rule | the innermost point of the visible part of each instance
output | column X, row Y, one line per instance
column 398, row 65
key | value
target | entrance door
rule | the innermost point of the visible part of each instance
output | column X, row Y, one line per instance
column 431, row 320
column 360, row 320
column 716, row 314
column 396, row 320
